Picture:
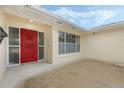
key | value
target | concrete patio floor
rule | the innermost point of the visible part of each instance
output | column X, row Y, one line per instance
column 16, row 76
column 83, row 74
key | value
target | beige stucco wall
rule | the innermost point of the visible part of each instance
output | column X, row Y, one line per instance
column 7, row 20
column 24, row 23
column 3, row 47
column 51, row 37
column 106, row 45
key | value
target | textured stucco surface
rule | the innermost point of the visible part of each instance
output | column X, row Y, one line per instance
column 107, row 45
column 3, row 47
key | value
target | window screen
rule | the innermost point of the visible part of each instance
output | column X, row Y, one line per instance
column 68, row 43
column 13, row 45
column 41, row 38
column 41, row 46
column 41, row 53
column 13, row 36
column 13, row 55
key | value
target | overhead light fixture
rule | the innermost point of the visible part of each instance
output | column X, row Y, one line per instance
column 31, row 20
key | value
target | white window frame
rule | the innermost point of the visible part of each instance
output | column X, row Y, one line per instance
column 8, row 46
column 76, row 43
column 43, row 47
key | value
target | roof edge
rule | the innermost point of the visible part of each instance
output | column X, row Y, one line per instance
column 56, row 17
column 107, row 25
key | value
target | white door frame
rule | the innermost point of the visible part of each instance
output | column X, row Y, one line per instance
column 20, row 46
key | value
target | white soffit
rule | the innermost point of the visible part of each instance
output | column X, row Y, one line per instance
column 25, row 12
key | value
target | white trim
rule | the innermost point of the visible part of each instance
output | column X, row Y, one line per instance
column 13, row 65
column 8, row 46
column 38, row 44
column 106, row 26
column 14, row 46
column 42, row 46
column 19, row 46
column 71, row 53
column 44, row 54
column 64, row 43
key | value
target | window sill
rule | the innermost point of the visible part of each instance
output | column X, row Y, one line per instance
column 69, row 54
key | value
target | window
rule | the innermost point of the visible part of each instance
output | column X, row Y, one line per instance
column 13, row 55
column 41, row 45
column 13, row 45
column 61, row 43
column 68, row 43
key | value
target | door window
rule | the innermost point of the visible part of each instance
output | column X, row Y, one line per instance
column 13, row 45
column 41, row 45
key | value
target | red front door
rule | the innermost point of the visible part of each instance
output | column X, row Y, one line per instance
column 29, row 45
